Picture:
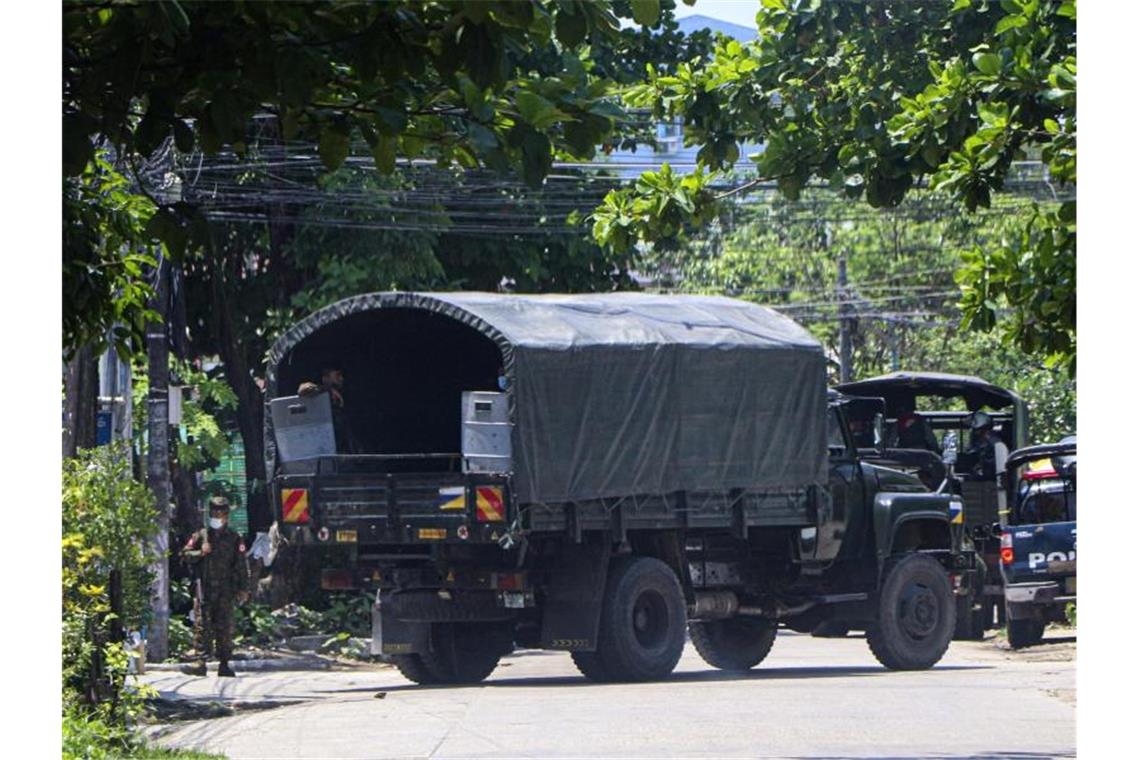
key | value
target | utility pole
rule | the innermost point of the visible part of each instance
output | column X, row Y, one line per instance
column 844, row 323
column 158, row 460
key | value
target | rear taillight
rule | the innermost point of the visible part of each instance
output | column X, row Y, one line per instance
column 1006, row 549
column 508, row 581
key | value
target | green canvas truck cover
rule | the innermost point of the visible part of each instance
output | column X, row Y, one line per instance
column 630, row 393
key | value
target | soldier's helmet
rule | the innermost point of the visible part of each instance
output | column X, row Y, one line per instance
column 219, row 504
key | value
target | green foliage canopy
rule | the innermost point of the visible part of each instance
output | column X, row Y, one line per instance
column 505, row 84
column 871, row 97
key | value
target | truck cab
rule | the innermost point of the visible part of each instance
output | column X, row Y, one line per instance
column 944, row 404
column 1039, row 541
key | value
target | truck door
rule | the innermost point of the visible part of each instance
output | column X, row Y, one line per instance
column 845, row 484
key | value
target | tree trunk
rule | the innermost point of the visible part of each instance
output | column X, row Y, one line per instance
column 81, row 393
column 158, row 462
column 187, row 517
column 250, row 410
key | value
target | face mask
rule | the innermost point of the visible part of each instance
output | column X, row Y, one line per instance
column 216, row 523
column 502, row 382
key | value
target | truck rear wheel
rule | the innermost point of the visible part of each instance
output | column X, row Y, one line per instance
column 1025, row 632
column 413, row 668
column 590, row 665
column 737, row 643
column 915, row 620
column 642, row 630
column 463, row 653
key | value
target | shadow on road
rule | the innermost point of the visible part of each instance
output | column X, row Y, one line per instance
column 702, row 676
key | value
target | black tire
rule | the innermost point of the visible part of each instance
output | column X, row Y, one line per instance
column 465, row 653
column 590, row 665
column 916, row 615
column 642, row 630
column 1025, row 632
column 831, row 629
column 413, row 668
column 736, row 644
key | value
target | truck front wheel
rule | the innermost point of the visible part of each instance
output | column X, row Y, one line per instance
column 737, row 643
column 915, row 620
column 642, row 629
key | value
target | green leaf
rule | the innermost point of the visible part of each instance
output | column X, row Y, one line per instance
column 960, row 5
column 384, row 154
column 570, row 26
column 333, row 147
column 646, row 12
column 536, row 157
column 987, row 63
column 1010, row 22
column 537, row 110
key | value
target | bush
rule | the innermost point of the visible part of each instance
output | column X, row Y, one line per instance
column 254, row 624
column 1071, row 613
column 89, row 738
column 108, row 519
column 349, row 612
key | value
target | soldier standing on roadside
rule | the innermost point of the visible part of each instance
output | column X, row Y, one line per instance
column 218, row 555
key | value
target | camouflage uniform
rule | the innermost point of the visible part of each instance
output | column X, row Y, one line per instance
column 223, row 574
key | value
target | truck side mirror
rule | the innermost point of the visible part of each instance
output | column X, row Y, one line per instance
column 877, row 428
column 996, row 530
column 950, row 448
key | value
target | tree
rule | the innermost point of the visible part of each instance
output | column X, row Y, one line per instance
column 504, row 84
column 874, row 98
column 901, row 291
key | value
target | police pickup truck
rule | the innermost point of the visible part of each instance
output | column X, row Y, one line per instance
column 1039, row 542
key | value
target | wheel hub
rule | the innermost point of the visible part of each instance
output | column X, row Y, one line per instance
column 650, row 619
column 918, row 611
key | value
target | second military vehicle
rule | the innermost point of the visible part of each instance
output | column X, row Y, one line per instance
column 594, row 473
column 926, row 413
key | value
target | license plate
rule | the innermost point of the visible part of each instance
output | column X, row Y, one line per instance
column 346, row 536
column 1071, row 585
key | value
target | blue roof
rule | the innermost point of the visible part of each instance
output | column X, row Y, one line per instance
column 697, row 22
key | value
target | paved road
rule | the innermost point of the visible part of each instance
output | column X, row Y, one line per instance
column 812, row 698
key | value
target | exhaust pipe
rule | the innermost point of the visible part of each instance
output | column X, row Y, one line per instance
column 719, row 605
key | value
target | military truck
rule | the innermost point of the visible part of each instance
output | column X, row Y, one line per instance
column 1039, row 540
column 981, row 605
column 594, row 473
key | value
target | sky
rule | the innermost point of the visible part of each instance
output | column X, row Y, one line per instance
column 741, row 12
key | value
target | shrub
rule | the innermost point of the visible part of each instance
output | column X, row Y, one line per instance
column 108, row 521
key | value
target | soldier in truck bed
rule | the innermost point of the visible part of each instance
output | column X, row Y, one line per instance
column 332, row 382
column 217, row 554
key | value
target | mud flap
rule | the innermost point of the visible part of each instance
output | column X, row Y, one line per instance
column 392, row 636
column 573, row 605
